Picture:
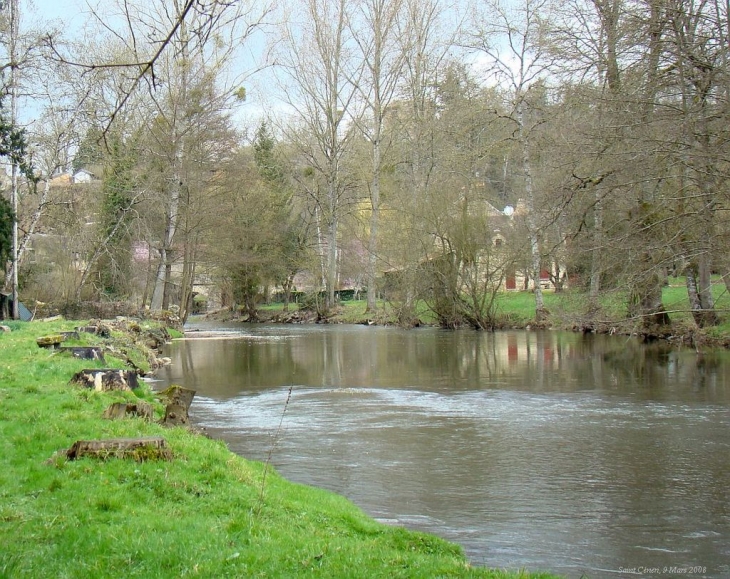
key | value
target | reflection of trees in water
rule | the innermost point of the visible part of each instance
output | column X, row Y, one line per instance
column 659, row 369
column 457, row 360
column 229, row 367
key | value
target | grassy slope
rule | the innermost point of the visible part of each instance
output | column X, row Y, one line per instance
column 208, row 513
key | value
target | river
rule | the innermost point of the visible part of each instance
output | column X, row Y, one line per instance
column 580, row 455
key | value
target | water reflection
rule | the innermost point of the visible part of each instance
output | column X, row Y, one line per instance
column 546, row 450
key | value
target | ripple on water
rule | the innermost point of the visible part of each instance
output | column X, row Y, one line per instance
column 492, row 469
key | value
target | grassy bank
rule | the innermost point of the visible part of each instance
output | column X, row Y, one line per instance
column 206, row 513
column 567, row 309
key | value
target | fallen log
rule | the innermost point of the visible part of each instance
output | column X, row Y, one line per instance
column 105, row 379
column 122, row 409
column 52, row 319
column 138, row 449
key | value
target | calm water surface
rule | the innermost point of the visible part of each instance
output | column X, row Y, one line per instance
column 549, row 450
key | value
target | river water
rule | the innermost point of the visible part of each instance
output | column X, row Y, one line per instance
column 594, row 456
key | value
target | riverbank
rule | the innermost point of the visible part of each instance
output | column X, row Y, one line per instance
column 204, row 513
column 516, row 311
column 568, row 310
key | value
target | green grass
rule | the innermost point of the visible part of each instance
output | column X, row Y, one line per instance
column 518, row 308
column 207, row 513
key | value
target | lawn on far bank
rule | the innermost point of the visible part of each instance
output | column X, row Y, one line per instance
column 517, row 308
column 205, row 513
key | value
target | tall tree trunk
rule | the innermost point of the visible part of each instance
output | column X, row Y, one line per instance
column 14, row 30
column 287, row 286
column 707, row 301
column 597, row 250
column 167, row 285
column 385, row 73
column 331, row 260
column 160, row 295
column 23, row 244
column 531, row 218
column 609, row 12
column 188, row 279
column 708, row 186
column 702, row 311
column 321, row 253
column 374, row 217
column 646, row 300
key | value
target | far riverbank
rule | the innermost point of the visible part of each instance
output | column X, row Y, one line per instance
column 568, row 310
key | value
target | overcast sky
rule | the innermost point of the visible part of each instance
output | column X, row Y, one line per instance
column 64, row 10
column 71, row 15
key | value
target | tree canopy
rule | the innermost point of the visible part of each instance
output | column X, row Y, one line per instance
column 401, row 131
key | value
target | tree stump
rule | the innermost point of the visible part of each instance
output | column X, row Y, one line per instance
column 87, row 329
column 177, row 395
column 98, row 329
column 121, row 410
column 52, row 341
column 84, row 352
column 178, row 401
column 103, row 380
column 139, row 449
column 155, row 339
column 175, row 415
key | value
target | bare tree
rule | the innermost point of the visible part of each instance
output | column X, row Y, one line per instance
column 376, row 29
column 426, row 39
column 698, row 53
column 319, row 84
column 511, row 38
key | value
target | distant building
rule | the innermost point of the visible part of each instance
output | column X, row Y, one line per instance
column 61, row 179
column 83, row 176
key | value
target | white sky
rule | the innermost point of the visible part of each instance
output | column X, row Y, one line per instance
column 67, row 11
column 71, row 15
